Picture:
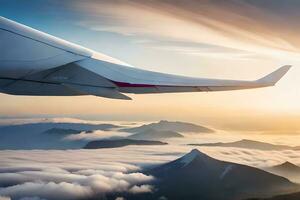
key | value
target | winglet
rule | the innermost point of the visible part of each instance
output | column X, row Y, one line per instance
column 272, row 78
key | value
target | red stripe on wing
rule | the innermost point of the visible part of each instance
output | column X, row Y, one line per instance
column 123, row 84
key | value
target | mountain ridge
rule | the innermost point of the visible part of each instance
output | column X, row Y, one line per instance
column 248, row 144
column 286, row 169
column 199, row 176
column 100, row 144
column 152, row 134
column 35, row 135
column 165, row 125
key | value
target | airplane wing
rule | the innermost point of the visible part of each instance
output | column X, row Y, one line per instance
column 35, row 63
column 132, row 80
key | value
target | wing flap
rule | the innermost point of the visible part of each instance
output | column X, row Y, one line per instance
column 98, row 91
column 25, row 87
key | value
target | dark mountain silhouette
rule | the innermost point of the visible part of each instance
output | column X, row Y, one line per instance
column 99, row 144
column 286, row 169
column 248, row 144
column 164, row 125
column 287, row 166
column 198, row 176
column 61, row 131
column 43, row 126
column 152, row 134
column 45, row 135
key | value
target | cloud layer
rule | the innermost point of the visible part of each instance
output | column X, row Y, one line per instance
column 77, row 174
column 52, row 182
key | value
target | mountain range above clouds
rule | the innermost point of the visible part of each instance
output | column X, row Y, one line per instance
column 199, row 176
column 192, row 176
column 46, row 135
column 287, row 166
column 148, row 136
column 62, row 131
column 286, row 169
column 176, row 126
column 153, row 134
column 51, row 135
column 101, row 144
column 250, row 144
column 43, row 126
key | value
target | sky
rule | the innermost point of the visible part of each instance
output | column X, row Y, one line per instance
column 233, row 39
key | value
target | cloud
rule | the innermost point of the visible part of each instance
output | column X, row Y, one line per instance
column 96, row 135
column 49, row 190
column 4, row 198
column 9, row 179
column 60, row 178
column 75, row 174
column 31, row 198
column 72, row 186
column 141, row 189
column 242, row 25
column 120, row 198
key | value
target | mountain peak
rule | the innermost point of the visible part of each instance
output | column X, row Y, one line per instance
column 287, row 165
column 165, row 125
column 247, row 140
column 192, row 155
column 163, row 121
column 199, row 176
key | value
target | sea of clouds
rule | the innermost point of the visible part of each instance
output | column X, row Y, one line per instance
column 83, row 173
column 79, row 174
column 66, row 175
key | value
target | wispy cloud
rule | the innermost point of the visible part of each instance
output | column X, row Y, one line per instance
column 96, row 135
column 241, row 25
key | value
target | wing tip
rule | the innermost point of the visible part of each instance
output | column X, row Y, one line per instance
column 272, row 78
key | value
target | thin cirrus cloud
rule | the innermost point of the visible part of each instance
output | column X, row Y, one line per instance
column 245, row 27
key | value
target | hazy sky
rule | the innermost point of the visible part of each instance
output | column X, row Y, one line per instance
column 240, row 39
